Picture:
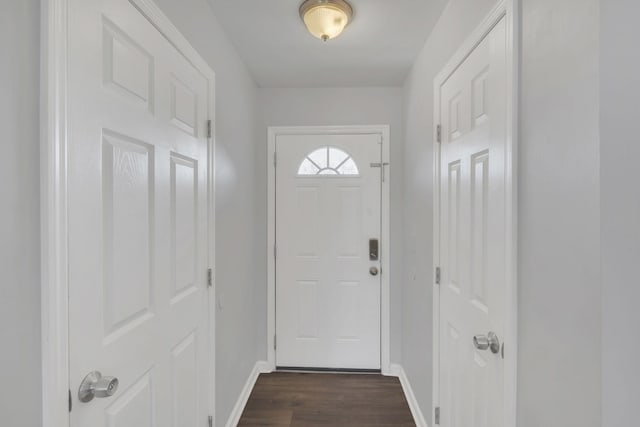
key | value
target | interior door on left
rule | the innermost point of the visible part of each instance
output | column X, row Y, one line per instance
column 137, row 209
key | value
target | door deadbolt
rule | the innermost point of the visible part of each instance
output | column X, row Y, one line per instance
column 374, row 251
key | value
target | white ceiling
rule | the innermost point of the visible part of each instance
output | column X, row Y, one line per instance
column 377, row 48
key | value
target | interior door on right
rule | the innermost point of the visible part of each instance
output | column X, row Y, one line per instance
column 473, row 160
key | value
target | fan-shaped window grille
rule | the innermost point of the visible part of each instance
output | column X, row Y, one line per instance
column 328, row 161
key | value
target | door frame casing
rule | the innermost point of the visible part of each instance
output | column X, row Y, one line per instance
column 510, row 10
column 385, row 290
column 54, row 140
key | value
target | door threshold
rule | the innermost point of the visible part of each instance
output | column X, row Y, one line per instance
column 327, row 370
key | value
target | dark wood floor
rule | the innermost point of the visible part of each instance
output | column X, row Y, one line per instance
column 304, row 399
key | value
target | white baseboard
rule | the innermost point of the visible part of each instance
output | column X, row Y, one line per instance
column 259, row 368
column 398, row 371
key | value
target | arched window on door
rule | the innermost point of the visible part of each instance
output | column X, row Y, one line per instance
column 328, row 161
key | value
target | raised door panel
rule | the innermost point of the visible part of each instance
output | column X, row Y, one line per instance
column 184, row 106
column 455, row 117
column 128, row 68
column 348, row 217
column 479, row 229
column 184, row 220
column 480, row 97
column 128, row 209
column 307, row 308
column 348, row 311
column 453, row 234
column 452, row 378
column 306, row 221
column 481, row 397
column 134, row 406
column 185, row 371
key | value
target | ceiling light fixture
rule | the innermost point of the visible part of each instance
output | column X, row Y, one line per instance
column 326, row 19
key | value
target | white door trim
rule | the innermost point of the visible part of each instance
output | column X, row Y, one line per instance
column 53, row 186
column 385, row 325
column 509, row 9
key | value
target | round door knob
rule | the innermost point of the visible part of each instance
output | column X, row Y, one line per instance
column 95, row 385
column 487, row 342
column 373, row 271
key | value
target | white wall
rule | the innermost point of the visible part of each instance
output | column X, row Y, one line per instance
column 237, row 282
column 620, row 151
column 559, row 279
column 19, row 214
column 458, row 20
column 341, row 106
column 559, row 260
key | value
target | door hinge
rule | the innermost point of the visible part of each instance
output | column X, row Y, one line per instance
column 210, row 420
column 437, row 275
column 70, row 401
column 209, row 129
column 437, row 415
column 275, row 159
column 210, row 277
column 439, row 133
column 275, row 345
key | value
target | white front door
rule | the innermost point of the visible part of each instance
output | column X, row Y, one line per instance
column 473, row 236
column 137, row 207
column 327, row 220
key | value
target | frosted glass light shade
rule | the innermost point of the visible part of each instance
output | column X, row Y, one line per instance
column 326, row 19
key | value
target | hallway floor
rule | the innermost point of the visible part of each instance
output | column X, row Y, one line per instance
column 305, row 399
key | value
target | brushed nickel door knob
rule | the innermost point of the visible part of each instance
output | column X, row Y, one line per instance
column 95, row 385
column 487, row 342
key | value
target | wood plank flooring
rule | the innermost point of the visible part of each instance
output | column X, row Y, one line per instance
column 308, row 399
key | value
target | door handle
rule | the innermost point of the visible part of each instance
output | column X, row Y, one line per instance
column 487, row 342
column 374, row 271
column 95, row 385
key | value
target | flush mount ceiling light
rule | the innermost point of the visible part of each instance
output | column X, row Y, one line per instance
column 326, row 19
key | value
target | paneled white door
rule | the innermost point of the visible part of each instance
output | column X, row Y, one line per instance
column 473, row 159
column 137, row 208
column 327, row 211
